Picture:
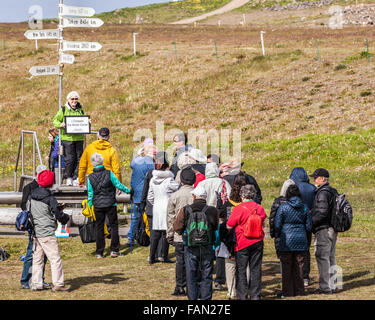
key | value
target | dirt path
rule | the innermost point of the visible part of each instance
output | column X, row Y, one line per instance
column 228, row 7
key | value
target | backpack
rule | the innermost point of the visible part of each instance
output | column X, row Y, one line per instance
column 143, row 234
column 3, row 254
column 198, row 233
column 23, row 221
column 253, row 227
column 341, row 214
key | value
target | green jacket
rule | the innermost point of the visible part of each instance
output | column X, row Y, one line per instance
column 59, row 118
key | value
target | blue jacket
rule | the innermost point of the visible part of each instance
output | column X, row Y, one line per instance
column 292, row 221
column 55, row 154
column 140, row 166
column 301, row 179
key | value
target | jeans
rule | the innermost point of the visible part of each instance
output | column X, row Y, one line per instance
column 325, row 249
column 136, row 215
column 28, row 263
column 100, row 215
column 251, row 255
column 199, row 260
column 72, row 154
column 180, row 265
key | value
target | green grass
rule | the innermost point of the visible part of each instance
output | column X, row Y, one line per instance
column 163, row 12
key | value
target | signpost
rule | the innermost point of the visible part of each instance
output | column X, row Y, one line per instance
column 69, row 16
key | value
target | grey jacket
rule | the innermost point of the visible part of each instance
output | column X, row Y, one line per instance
column 176, row 202
column 45, row 212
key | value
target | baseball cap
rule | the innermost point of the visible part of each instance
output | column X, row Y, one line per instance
column 320, row 173
column 104, row 132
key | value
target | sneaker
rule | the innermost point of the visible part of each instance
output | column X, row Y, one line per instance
column 99, row 256
column 231, row 296
column 46, row 285
column 62, row 289
column 178, row 292
column 25, row 286
column 115, row 254
column 36, row 288
column 320, row 291
column 306, row 282
column 69, row 181
column 218, row 286
column 168, row 261
column 75, row 182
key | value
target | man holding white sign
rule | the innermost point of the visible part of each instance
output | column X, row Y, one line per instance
column 71, row 137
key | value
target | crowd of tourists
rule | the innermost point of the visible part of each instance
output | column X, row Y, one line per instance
column 210, row 212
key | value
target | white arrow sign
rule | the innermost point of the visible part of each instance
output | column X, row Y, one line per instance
column 76, row 11
column 66, row 58
column 44, row 70
column 82, row 22
column 42, row 34
column 81, row 46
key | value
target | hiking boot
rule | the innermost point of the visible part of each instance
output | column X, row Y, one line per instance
column 218, row 286
column 320, row 291
column 62, row 289
column 178, row 292
column 115, row 254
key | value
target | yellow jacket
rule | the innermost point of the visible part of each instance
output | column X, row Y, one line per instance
column 109, row 153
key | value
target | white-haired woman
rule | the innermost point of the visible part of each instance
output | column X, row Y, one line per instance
column 72, row 143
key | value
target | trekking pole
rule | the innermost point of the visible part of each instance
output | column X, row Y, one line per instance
column 131, row 226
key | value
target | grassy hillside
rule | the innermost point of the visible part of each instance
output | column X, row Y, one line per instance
column 163, row 12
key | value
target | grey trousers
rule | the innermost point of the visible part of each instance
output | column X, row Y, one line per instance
column 325, row 249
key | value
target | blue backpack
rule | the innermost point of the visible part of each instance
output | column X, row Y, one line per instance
column 23, row 221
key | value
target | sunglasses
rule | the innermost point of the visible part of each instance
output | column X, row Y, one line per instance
column 74, row 99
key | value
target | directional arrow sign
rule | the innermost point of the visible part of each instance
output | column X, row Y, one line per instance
column 81, row 46
column 76, row 11
column 66, row 58
column 44, row 70
column 82, row 22
column 42, row 34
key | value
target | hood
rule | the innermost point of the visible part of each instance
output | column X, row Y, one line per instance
column 285, row 187
column 295, row 202
column 299, row 174
column 159, row 176
column 40, row 193
column 101, row 144
column 212, row 170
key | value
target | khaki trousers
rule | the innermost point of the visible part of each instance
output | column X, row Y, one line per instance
column 47, row 246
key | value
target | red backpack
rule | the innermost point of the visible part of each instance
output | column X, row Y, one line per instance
column 253, row 227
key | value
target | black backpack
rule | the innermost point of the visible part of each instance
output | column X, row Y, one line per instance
column 198, row 232
column 341, row 214
column 3, row 254
column 141, row 235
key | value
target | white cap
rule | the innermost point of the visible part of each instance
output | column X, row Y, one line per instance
column 197, row 155
column 199, row 192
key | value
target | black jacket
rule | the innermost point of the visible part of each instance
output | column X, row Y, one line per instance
column 250, row 180
column 212, row 213
column 104, row 190
column 26, row 192
column 322, row 207
column 145, row 205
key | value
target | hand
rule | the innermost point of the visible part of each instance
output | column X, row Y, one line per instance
column 118, row 192
column 62, row 125
column 81, row 185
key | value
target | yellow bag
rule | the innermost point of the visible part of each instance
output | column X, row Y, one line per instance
column 88, row 212
column 145, row 220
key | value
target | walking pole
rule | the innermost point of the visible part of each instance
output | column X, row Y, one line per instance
column 131, row 226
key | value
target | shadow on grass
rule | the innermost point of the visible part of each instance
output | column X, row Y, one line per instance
column 358, row 283
column 112, row 278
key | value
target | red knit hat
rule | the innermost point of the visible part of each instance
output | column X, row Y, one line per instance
column 46, row 178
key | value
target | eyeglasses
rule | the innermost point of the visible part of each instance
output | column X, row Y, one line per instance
column 74, row 99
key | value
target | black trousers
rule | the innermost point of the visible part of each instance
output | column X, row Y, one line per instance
column 220, row 270
column 72, row 154
column 253, row 256
column 155, row 237
column 180, row 265
column 159, row 253
column 100, row 215
column 292, row 273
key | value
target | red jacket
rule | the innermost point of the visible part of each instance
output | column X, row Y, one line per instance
column 238, row 220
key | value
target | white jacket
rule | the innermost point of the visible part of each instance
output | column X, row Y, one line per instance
column 213, row 185
column 162, row 185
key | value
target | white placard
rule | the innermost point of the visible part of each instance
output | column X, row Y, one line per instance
column 81, row 46
column 42, row 34
column 82, row 22
column 77, row 124
column 76, row 11
column 44, row 70
column 66, row 58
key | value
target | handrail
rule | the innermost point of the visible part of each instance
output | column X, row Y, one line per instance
column 21, row 152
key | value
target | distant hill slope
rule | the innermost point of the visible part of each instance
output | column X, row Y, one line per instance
column 163, row 12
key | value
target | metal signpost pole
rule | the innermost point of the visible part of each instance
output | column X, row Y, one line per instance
column 61, row 73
